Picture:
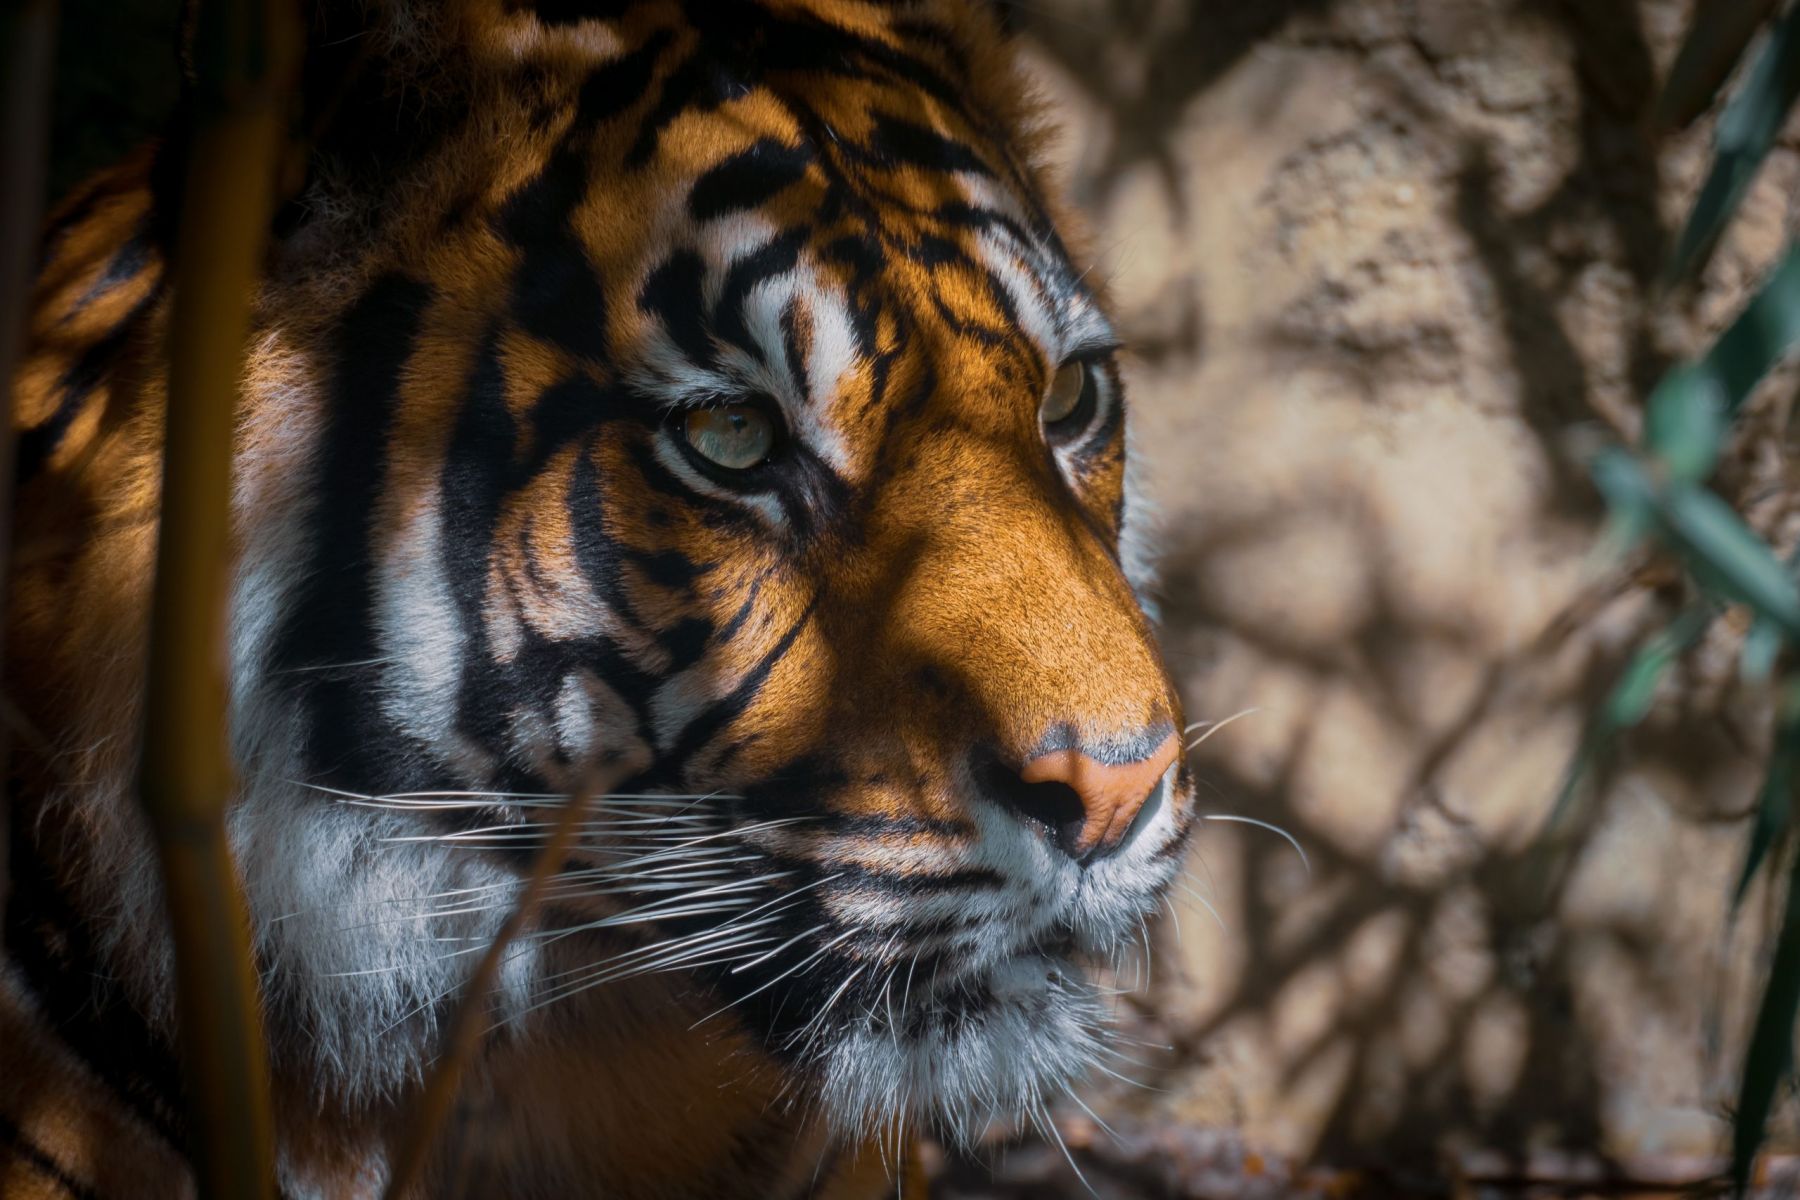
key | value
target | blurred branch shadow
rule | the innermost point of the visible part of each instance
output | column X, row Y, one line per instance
column 1398, row 1116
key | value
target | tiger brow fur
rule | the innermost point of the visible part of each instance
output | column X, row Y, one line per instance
column 475, row 564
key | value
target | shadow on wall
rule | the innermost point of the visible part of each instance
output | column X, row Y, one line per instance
column 1407, row 248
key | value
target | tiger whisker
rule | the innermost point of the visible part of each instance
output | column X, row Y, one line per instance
column 601, row 978
column 570, row 885
column 476, row 942
column 661, row 956
column 506, row 885
column 807, row 1031
column 615, row 968
column 1194, row 894
column 560, row 891
column 762, row 958
column 1275, row 829
column 906, row 992
column 680, row 906
column 1213, row 727
column 453, row 837
column 1098, row 1120
column 661, row 880
column 852, row 931
column 1212, row 880
column 336, row 666
column 1136, row 1083
column 796, row 892
column 640, row 954
column 550, row 936
column 477, row 799
column 478, row 794
column 1144, row 933
column 625, row 826
column 1040, row 1116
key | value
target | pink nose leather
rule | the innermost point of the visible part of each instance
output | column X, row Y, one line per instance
column 1111, row 795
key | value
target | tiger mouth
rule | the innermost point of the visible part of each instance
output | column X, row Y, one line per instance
column 966, row 990
column 970, row 995
column 944, row 999
column 952, row 1041
column 993, row 1044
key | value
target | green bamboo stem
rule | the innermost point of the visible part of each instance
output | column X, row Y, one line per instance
column 243, row 55
column 27, row 39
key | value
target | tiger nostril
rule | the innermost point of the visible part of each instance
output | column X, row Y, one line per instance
column 1110, row 795
column 1056, row 806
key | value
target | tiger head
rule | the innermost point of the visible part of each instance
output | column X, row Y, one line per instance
column 697, row 403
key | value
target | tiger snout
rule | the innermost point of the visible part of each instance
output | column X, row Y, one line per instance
column 1092, row 799
column 998, row 747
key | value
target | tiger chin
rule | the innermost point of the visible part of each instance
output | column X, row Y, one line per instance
column 694, row 402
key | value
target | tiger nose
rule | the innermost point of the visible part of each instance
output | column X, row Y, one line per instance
column 1111, row 795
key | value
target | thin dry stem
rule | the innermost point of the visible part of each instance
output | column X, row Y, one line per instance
column 464, row 1033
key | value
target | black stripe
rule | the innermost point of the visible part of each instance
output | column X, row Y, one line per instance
column 89, row 370
column 777, row 256
column 896, row 142
column 111, row 185
column 567, row 410
column 701, row 83
column 127, row 262
column 808, row 44
column 556, row 293
column 478, row 473
column 54, row 952
column 615, row 86
column 793, row 351
column 598, row 554
column 718, row 714
column 878, row 825
column 748, row 178
column 331, row 620
column 11, row 1135
column 672, row 293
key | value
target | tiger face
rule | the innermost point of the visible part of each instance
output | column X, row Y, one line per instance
column 709, row 412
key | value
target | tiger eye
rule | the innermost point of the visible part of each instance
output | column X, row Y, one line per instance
column 735, row 436
column 1065, row 392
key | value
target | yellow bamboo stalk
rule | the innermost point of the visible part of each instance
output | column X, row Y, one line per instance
column 462, row 1036
column 27, row 37
column 245, row 52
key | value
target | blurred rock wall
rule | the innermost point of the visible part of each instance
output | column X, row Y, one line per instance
column 1386, row 266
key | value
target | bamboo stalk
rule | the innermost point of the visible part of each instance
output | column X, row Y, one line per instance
column 244, row 52
column 27, row 42
column 462, row 1036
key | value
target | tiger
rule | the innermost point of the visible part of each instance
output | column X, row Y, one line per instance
column 702, row 402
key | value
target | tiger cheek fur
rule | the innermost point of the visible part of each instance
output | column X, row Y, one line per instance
column 893, row 755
